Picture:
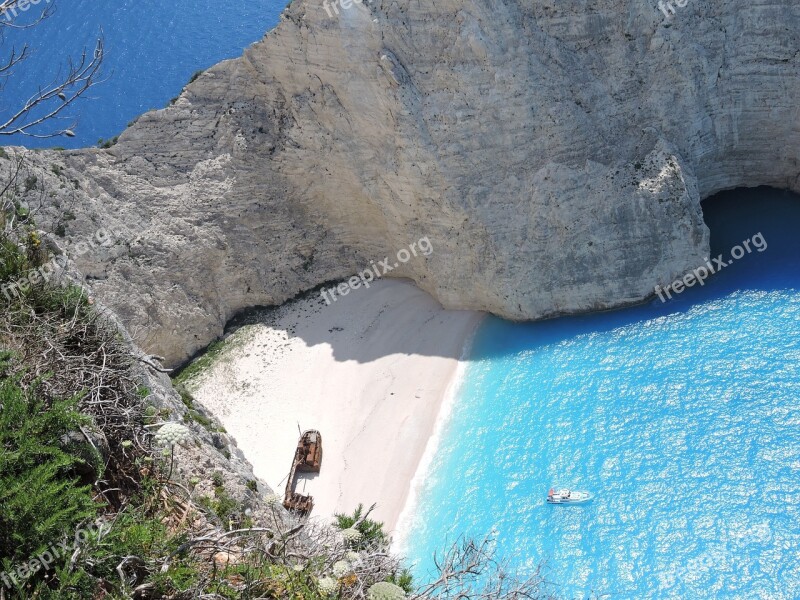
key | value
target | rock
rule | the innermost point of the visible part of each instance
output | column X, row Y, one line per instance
column 226, row 559
column 91, row 447
column 554, row 154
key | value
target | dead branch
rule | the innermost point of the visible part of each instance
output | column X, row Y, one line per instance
column 54, row 98
column 469, row 570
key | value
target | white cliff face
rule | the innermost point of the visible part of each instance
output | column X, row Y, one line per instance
column 554, row 153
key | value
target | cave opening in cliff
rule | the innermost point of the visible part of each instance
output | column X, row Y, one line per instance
column 753, row 231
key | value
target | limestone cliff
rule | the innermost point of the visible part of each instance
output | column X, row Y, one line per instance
column 554, row 153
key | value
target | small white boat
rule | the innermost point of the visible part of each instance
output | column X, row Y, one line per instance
column 565, row 496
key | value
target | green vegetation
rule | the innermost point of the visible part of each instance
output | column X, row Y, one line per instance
column 39, row 489
column 30, row 183
column 54, row 481
column 222, row 506
column 403, row 579
column 206, row 359
column 106, row 144
column 193, row 415
column 371, row 531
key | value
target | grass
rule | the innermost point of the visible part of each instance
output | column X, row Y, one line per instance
column 214, row 352
column 193, row 414
column 218, row 350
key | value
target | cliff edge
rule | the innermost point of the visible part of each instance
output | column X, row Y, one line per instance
column 553, row 153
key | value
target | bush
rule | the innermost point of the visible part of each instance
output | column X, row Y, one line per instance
column 41, row 501
column 403, row 579
column 106, row 144
column 13, row 262
column 371, row 531
column 216, row 479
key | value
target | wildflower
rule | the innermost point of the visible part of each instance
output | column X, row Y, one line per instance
column 173, row 433
column 385, row 591
column 341, row 568
column 352, row 535
column 327, row 585
column 272, row 500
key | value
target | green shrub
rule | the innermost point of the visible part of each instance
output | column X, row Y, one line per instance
column 38, row 492
column 403, row 579
column 371, row 531
column 13, row 262
column 105, row 144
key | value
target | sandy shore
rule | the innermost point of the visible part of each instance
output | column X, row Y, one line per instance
column 369, row 372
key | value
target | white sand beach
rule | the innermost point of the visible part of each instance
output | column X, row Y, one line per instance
column 369, row 372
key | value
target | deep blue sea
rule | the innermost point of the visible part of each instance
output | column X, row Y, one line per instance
column 682, row 418
column 153, row 48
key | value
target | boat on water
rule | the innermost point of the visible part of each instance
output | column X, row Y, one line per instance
column 565, row 496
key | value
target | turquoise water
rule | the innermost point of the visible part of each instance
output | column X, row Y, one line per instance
column 681, row 417
column 152, row 49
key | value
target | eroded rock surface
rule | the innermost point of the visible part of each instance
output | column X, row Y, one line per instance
column 554, row 153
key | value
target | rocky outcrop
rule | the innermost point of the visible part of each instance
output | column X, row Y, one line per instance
column 554, row 153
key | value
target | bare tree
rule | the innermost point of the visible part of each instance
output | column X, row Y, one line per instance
column 33, row 116
column 469, row 570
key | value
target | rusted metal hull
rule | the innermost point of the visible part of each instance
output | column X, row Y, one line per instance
column 308, row 455
column 307, row 459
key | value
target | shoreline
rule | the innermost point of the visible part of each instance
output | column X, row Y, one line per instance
column 424, row 463
column 375, row 373
column 447, row 404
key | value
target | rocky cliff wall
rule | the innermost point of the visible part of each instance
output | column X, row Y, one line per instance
column 554, row 154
